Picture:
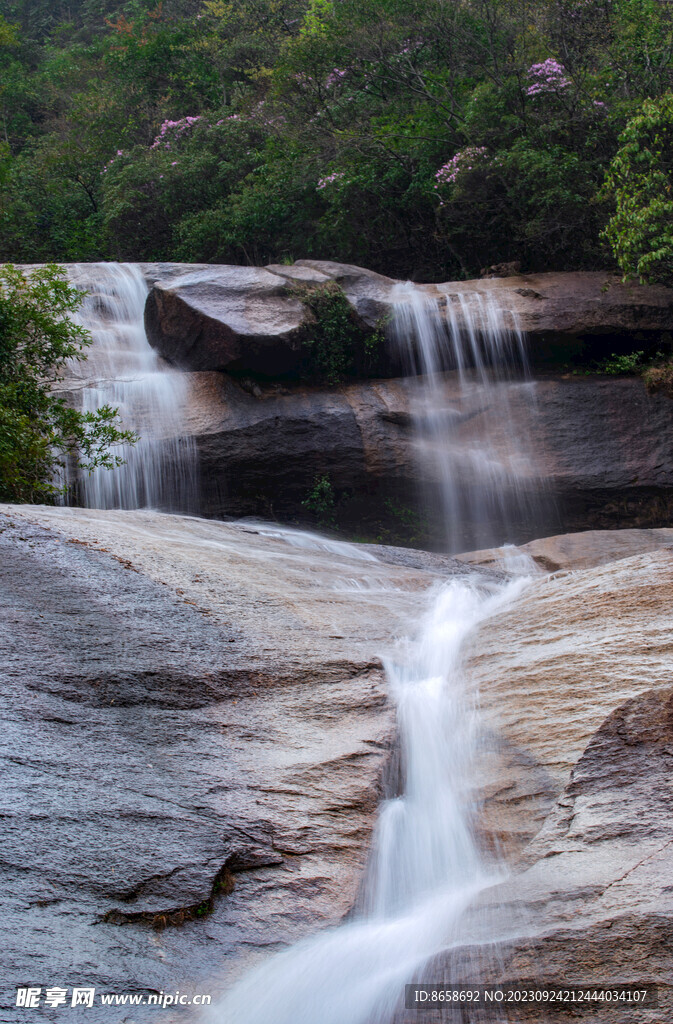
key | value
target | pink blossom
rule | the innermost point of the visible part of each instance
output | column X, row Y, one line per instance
column 550, row 76
column 461, row 162
column 329, row 179
column 335, row 76
column 177, row 128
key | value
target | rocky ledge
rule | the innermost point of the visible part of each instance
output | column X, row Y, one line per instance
column 250, row 319
column 598, row 452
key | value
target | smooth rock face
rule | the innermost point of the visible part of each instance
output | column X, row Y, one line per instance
column 219, row 319
column 572, row 649
column 577, row 550
column 582, row 702
column 599, row 449
column 245, row 318
column 576, row 771
column 192, row 705
column 186, row 705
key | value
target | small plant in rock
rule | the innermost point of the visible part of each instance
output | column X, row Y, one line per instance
column 336, row 344
column 321, row 500
column 626, row 365
column 621, row 366
column 659, row 378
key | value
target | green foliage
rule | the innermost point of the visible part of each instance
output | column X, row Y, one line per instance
column 319, row 128
column 337, row 344
column 622, row 365
column 640, row 181
column 626, row 365
column 38, row 431
column 321, row 501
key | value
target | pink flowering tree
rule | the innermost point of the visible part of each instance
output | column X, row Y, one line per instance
column 548, row 77
column 460, row 171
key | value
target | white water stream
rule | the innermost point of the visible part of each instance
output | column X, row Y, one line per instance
column 471, row 399
column 124, row 371
column 426, row 866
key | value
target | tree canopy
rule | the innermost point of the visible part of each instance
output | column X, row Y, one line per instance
column 422, row 138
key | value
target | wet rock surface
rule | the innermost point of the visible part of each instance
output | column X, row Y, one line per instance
column 195, row 730
column 592, row 902
column 576, row 771
column 577, row 550
column 599, row 451
column 581, row 708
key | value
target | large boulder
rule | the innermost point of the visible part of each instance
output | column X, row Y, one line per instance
column 223, row 318
column 247, row 318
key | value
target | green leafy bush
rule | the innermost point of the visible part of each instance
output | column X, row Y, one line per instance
column 38, row 430
column 640, row 181
column 321, row 500
column 622, row 365
column 336, row 344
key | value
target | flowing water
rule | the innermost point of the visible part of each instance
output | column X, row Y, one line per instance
column 471, row 401
column 426, row 866
column 124, row 371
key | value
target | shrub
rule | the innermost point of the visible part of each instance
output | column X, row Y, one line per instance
column 321, row 500
column 337, row 344
column 640, row 181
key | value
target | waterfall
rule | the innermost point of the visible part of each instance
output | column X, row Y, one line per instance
column 426, row 866
column 471, row 401
column 124, row 371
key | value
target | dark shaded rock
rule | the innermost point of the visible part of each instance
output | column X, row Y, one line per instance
column 599, row 446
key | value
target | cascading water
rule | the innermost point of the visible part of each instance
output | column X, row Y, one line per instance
column 124, row 371
column 471, row 440
column 426, row 866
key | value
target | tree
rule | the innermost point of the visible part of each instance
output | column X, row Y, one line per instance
column 640, row 181
column 39, row 432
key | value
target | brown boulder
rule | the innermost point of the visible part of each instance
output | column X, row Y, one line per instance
column 225, row 317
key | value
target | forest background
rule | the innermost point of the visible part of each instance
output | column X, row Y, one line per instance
column 421, row 138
